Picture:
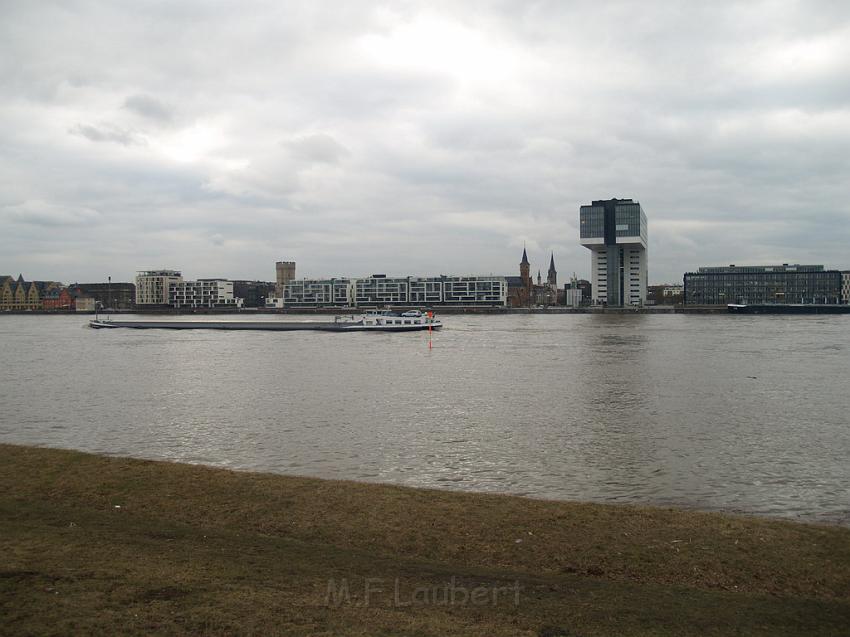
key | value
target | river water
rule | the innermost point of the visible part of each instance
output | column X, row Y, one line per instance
column 734, row 413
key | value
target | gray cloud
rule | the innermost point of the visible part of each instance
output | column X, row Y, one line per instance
column 318, row 147
column 418, row 137
column 149, row 107
column 108, row 133
column 42, row 214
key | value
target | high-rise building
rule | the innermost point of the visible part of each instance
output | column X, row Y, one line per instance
column 285, row 271
column 152, row 286
column 615, row 232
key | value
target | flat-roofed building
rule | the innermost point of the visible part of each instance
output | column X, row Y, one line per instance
column 615, row 232
column 473, row 290
column 845, row 286
column 315, row 293
column 203, row 293
column 380, row 290
column 152, row 286
column 254, row 293
column 763, row 284
column 425, row 290
column 118, row 296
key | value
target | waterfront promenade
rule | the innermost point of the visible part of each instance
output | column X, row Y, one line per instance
column 95, row 544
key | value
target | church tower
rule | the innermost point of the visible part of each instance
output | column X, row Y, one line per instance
column 525, row 269
column 552, row 279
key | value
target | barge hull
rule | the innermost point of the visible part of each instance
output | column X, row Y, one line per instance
column 789, row 309
column 269, row 326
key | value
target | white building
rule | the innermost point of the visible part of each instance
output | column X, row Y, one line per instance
column 474, row 290
column 314, row 293
column 152, row 286
column 615, row 232
column 380, row 290
column 211, row 293
column 845, row 286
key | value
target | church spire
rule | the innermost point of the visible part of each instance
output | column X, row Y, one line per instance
column 552, row 279
column 524, row 257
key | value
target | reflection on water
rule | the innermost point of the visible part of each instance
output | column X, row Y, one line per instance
column 714, row 412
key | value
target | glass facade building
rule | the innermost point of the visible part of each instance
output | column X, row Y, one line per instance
column 615, row 232
column 760, row 285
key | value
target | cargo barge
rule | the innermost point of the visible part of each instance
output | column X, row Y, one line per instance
column 379, row 321
column 810, row 308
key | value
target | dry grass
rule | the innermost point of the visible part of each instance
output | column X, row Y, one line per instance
column 194, row 550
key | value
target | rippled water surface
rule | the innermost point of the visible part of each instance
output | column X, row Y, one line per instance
column 732, row 413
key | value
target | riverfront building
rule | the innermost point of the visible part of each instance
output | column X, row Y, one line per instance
column 615, row 232
column 763, row 284
column 152, row 286
column 315, row 293
column 208, row 293
column 285, row 272
column 118, row 296
column 379, row 290
column 254, row 293
column 17, row 294
column 845, row 287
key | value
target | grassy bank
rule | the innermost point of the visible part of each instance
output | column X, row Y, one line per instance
column 108, row 545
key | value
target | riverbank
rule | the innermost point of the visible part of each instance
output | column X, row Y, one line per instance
column 96, row 544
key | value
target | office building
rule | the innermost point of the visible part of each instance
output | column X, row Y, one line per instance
column 763, row 284
column 615, row 232
column 152, row 286
column 845, row 287
column 203, row 293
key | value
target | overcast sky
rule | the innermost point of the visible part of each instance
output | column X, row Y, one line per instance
column 417, row 137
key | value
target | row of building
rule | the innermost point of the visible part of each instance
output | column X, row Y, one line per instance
column 379, row 290
column 20, row 295
column 614, row 230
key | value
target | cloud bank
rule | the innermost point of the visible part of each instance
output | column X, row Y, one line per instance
column 417, row 138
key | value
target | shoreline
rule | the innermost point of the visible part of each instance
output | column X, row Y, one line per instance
column 95, row 543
